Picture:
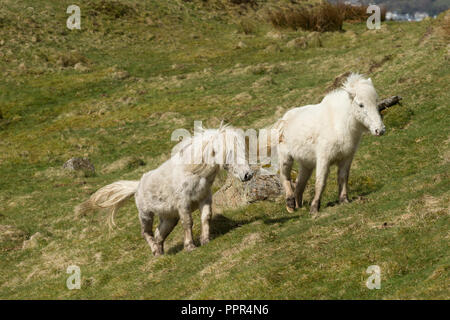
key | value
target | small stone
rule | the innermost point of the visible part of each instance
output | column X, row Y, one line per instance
column 33, row 242
column 79, row 164
column 120, row 75
column 241, row 45
column 80, row 67
column 298, row 43
column 274, row 35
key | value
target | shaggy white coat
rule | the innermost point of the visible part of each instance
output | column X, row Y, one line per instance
column 179, row 186
column 318, row 136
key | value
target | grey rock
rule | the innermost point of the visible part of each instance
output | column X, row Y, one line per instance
column 235, row 194
column 79, row 164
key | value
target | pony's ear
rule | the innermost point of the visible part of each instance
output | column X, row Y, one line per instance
column 370, row 80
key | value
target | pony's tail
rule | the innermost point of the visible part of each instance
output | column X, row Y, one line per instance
column 110, row 197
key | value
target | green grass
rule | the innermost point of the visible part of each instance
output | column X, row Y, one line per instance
column 183, row 65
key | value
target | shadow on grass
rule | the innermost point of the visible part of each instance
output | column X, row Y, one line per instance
column 220, row 225
column 281, row 219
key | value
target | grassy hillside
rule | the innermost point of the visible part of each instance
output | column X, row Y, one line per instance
column 135, row 72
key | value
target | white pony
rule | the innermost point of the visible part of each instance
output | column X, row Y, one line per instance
column 318, row 136
column 179, row 186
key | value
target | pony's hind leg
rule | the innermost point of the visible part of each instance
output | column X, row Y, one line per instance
column 146, row 220
column 165, row 227
column 286, row 163
column 304, row 174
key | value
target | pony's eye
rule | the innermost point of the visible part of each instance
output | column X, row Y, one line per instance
column 361, row 105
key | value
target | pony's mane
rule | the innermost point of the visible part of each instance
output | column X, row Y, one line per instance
column 209, row 133
column 355, row 82
column 204, row 140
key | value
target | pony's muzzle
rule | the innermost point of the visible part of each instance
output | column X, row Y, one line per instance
column 380, row 132
column 247, row 176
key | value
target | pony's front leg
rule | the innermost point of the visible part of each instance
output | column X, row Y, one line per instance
column 285, row 177
column 186, row 221
column 206, row 213
column 343, row 173
column 322, row 169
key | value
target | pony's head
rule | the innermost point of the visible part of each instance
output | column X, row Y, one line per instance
column 364, row 98
column 229, row 152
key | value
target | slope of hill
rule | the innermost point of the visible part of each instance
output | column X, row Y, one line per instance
column 136, row 71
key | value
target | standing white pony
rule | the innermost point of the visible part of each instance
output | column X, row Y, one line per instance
column 318, row 136
column 179, row 186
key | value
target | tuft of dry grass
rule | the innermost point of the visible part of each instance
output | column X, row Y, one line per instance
column 321, row 18
column 357, row 13
column 250, row 2
column 111, row 9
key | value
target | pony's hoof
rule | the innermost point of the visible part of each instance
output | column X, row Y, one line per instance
column 204, row 241
column 314, row 210
column 343, row 200
column 290, row 210
column 290, row 204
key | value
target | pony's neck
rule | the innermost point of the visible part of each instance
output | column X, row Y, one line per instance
column 208, row 168
column 353, row 127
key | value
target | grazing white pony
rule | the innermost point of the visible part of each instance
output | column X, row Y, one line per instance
column 318, row 136
column 179, row 186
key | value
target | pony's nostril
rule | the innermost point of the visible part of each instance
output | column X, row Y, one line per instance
column 247, row 176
